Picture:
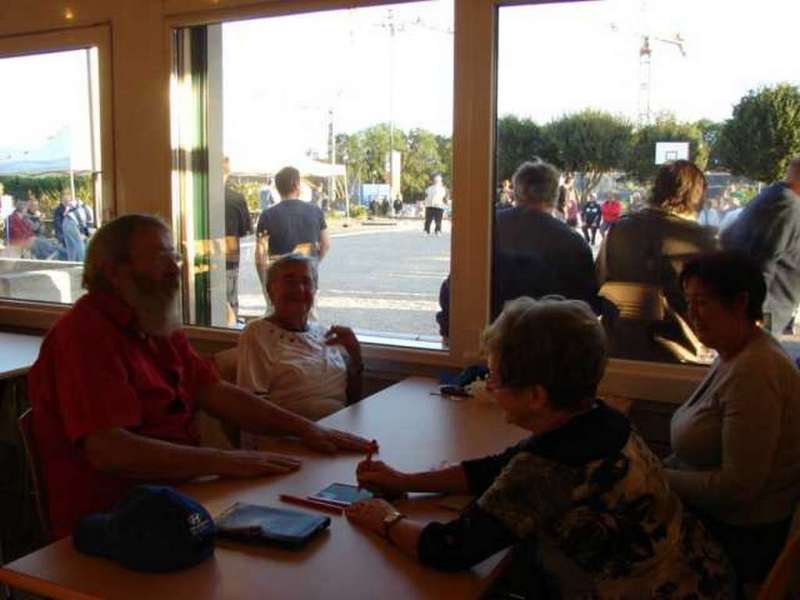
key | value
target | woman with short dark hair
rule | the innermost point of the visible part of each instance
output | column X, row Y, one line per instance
column 639, row 263
column 582, row 500
column 736, row 441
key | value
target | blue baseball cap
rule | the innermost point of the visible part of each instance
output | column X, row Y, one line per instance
column 154, row 528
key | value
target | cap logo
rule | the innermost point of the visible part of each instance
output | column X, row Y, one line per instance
column 197, row 524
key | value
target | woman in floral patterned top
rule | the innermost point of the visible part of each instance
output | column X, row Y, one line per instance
column 583, row 501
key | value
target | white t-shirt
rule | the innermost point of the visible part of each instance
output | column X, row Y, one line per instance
column 296, row 370
column 435, row 196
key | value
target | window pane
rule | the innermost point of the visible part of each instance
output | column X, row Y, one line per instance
column 329, row 94
column 49, row 173
column 636, row 85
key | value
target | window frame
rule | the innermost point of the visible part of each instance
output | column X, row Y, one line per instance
column 474, row 129
column 471, row 234
column 474, row 122
column 41, row 315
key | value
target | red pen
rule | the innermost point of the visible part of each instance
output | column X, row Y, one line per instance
column 309, row 503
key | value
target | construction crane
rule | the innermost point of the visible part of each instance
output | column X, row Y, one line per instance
column 646, row 71
column 648, row 40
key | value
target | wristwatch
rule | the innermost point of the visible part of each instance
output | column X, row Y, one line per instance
column 390, row 521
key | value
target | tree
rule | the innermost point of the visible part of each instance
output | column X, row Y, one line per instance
column 445, row 147
column 764, row 133
column 48, row 188
column 365, row 152
column 519, row 140
column 641, row 160
column 711, row 131
column 421, row 161
column 590, row 142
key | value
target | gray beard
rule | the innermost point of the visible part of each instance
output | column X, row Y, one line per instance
column 156, row 312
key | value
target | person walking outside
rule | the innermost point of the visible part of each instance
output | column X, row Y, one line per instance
column 591, row 214
column 435, row 203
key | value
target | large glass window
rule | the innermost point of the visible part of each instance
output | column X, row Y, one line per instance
column 359, row 102
column 50, row 172
column 608, row 93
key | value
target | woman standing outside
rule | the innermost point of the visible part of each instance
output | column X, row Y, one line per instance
column 642, row 255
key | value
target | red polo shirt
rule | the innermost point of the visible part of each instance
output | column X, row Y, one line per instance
column 611, row 209
column 97, row 370
column 20, row 230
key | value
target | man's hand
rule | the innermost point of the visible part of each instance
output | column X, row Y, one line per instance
column 331, row 440
column 339, row 335
column 247, row 463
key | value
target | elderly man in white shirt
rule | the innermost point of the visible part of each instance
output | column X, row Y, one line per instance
column 435, row 203
column 294, row 361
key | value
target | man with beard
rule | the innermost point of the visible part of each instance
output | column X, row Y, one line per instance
column 117, row 384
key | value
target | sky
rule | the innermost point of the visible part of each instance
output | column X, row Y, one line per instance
column 291, row 71
column 555, row 59
column 282, row 76
column 41, row 95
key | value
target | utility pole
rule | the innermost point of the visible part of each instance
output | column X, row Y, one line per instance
column 393, row 27
column 331, row 157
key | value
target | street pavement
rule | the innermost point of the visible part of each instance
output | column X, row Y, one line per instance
column 376, row 278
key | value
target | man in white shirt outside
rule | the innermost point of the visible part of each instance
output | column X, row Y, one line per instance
column 435, row 203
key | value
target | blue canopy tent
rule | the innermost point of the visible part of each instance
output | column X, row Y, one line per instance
column 54, row 155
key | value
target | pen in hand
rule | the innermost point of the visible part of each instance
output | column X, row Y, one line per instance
column 368, row 460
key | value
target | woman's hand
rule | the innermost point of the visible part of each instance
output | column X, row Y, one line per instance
column 369, row 514
column 338, row 335
column 379, row 477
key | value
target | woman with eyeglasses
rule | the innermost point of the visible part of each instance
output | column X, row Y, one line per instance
column 582, row 500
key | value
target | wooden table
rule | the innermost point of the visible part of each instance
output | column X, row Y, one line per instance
column 416, row 430
column 17, row 353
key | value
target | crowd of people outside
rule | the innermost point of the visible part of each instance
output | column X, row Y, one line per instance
column 594, row 212
column 73, row 223
column 546, row 237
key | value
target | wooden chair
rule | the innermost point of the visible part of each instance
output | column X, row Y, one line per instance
column 783, row 580
column 25, row 427
column 225, row 361
column 214, row 432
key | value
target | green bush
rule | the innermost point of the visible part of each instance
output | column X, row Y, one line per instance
column 48, row 188
column 358, row 212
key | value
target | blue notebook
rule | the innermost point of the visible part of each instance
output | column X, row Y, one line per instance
column 254, row 523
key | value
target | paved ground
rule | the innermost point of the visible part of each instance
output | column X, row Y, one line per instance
column 382, row 278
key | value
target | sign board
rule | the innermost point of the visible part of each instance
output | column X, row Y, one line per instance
column 374, row 191
column 671, row 151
